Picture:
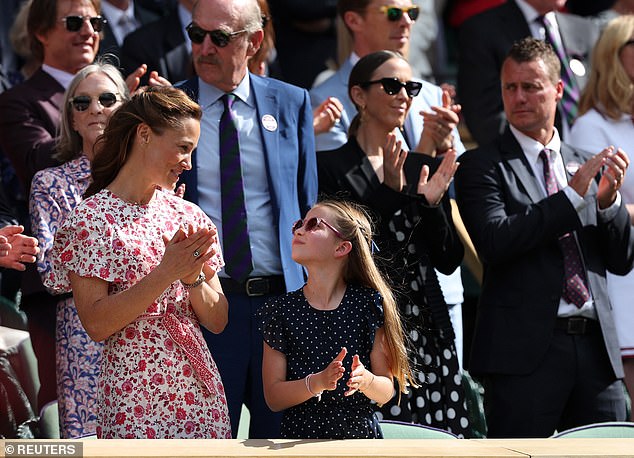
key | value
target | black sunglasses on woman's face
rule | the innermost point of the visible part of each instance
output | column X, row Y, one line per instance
column 82, row 102
column 393, row 86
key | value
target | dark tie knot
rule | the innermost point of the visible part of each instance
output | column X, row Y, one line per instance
column 545, row 155
column 228, row 100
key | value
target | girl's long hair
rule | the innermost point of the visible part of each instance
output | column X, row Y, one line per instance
column 354, row 224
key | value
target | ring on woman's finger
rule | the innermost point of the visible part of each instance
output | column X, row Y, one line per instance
column 196, row 253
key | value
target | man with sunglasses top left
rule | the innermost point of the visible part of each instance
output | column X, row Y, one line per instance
column 64, row 35
column 271, row 184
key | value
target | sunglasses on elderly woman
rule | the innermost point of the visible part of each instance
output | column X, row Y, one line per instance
column 75, row 23
column 393, row 86
column 218, row 37
column 311, row 224
column 394, row 13
column 82, row 102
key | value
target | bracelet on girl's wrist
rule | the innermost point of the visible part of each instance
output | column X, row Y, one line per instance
column 315, row 395
column 199, row 281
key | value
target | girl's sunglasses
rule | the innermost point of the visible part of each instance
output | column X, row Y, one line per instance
column 218, row 37
column 392, row 86
column 311, row 224
column 394, row 13
column 75, row 23
column 82, row 102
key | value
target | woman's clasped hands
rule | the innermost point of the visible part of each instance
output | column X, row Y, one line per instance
column 186, row 253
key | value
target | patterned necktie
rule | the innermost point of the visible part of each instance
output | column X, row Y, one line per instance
column 235, row 237
column 570, row 97
column 126, row 25
column 576, row 286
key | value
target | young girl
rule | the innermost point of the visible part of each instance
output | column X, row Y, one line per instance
column 343, row 324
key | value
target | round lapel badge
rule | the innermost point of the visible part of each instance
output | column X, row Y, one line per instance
column 269, row 122
column 577, row 67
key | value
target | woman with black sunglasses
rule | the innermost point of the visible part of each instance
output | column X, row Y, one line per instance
column 415, row 231
column 92, row 96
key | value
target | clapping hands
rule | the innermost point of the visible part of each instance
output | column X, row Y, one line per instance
column 186, row 252
column 16, row 248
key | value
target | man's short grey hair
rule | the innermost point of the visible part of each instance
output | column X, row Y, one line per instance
column 252, row 15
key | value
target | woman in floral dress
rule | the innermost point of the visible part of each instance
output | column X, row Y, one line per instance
column 92, row 96
column 142, row 266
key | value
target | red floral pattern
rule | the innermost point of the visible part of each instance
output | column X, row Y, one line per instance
column 158, row 379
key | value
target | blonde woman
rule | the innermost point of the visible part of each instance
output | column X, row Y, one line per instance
column 606, row 118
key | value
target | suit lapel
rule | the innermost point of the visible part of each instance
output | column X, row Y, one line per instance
column 178, row 57
column 516, row 159
column 267, row 106
column 360, row 176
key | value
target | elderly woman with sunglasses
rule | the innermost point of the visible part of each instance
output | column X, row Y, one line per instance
column 415, row 232
column 92, row 96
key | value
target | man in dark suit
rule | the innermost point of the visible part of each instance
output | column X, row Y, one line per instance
column 29, row 118
column 278, row 179
column 547, row 353
column 123, row 16
column 486, row 38
column 162, row 45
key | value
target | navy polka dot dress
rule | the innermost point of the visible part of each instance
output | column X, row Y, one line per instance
column 311, row 339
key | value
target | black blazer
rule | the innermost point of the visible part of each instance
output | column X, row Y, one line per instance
column 108, row 43
column 162, row 46
column 515, row 229
column 347, row 173
column 485, row 39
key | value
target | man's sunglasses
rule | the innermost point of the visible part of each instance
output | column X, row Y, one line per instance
column 82, row 102
column 75, row 23
column 394, row 13
column 218, row 37
column 392, row 86
column 311, row 224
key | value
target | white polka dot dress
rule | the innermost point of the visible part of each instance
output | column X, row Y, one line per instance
column 311, row 339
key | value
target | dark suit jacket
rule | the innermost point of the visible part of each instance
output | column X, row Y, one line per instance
column 161, row 45
column 108, row 43
column 346, row 172
column 290, row 160
column 29, row 118
column 485, row 39
column 515, row 229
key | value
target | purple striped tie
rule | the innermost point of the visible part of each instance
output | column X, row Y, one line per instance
column 576, row 286
column 235, row 236
column 571, row 94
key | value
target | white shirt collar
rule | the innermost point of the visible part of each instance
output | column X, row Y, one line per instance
column 62, row 77
column 114, row 14
column 209, row 94
column 532, row 147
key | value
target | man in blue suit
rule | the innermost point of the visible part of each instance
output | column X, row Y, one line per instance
column 278, row 171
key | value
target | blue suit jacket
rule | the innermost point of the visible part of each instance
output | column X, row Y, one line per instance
column 290, row 160
column 337, row 86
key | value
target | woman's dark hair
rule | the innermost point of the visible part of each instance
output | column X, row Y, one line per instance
column 160, row 108
column 361, row 73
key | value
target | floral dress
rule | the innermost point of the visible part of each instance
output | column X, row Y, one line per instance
column 54, row 193
column 310, row 339
column 158, row 379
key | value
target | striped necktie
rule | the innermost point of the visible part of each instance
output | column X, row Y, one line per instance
column 571, row 94
column 576, row 286
column 235, row 236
